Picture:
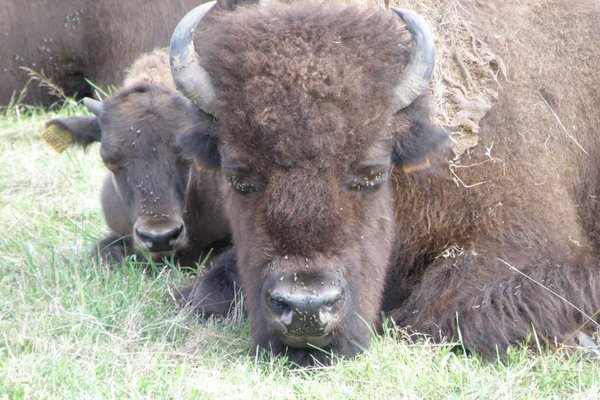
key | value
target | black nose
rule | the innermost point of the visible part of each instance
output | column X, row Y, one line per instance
column 305, row 311
column 159, row 240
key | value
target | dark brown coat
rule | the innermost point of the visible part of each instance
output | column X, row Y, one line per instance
column 491, row 251
column 77, row 39
column 153, row 199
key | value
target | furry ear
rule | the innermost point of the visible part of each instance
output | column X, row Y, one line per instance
column 411, row 150
column 61, row 133
column 200, row 147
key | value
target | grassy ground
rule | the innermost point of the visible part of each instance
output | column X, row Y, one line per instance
column 69, row 329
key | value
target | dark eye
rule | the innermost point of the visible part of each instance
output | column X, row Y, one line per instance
column 113, row 159
column 241, row 187
column 243, row 179
column 369, row 179
column 112, row 166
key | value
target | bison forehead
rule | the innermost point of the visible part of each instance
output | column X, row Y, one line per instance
column 311, row 79
column 145, row 113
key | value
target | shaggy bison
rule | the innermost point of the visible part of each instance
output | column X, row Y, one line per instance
column 321, row 117
column 80, row 39
column 153, row 199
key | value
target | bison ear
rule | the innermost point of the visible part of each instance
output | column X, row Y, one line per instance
column 412, row 150
column 62, row 133
column 200, row 147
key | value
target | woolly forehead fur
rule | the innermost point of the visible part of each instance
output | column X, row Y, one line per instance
column 148, row 113
column 306, row 79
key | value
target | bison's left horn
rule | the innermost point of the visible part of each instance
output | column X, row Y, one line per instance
column 190, row 78
column 94, row 106
column 417, row 74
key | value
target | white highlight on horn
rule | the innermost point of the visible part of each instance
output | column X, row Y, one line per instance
column 418, row 72
column 190, row 78
column 95, row 106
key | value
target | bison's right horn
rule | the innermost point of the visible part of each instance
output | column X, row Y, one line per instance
column 417, row 74
column 190, row 78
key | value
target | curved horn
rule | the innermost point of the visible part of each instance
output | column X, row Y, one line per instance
column 190, row 78
column 416, row 75
column 94, row 106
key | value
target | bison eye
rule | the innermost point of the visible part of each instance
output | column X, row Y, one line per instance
column 112, row 159
column 112, row 166
column 368, row 180
column 241, row 187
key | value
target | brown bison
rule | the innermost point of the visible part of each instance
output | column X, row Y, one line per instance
column 321, row 117
column 80, row 39
column 153, row 200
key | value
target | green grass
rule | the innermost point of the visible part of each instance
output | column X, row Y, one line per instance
column 70, row 329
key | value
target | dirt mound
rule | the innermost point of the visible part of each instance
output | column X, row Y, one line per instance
column 466, row 76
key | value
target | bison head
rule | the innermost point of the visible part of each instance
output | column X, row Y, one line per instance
column 136, row 128
column 314, row 105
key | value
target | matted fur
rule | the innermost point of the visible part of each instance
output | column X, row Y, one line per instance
column 520, row 205
column 151, row 68
column 490, row 250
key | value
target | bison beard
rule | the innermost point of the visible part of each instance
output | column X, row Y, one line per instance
column 332, row 224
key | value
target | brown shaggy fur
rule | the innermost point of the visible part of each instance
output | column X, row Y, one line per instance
column 488, row 250
column 151, row 185
column 79, row 39
column 531, row 221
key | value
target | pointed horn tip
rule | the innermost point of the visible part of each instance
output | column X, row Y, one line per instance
column 411, row 17
column 418, row 72
column 189, row 77
column 93, row 105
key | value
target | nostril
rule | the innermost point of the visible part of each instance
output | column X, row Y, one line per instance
column 330, row 309
column 173, row 234
column 307, row 311
column 335, row 299
column 280, row 307
column 143, row 234
column 156, row 241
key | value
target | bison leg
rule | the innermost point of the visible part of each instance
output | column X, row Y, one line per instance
column 113, row 249
column 491, row 302
column 215, row 292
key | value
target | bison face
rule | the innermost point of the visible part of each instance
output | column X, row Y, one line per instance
column 313, row 234
column 145, row 194
column 148, row 174
column 312, row 247
column 306, row 98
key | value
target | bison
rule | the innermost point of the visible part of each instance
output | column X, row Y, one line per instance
column 78, row 40
column 153, row 200
column 322, row 117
